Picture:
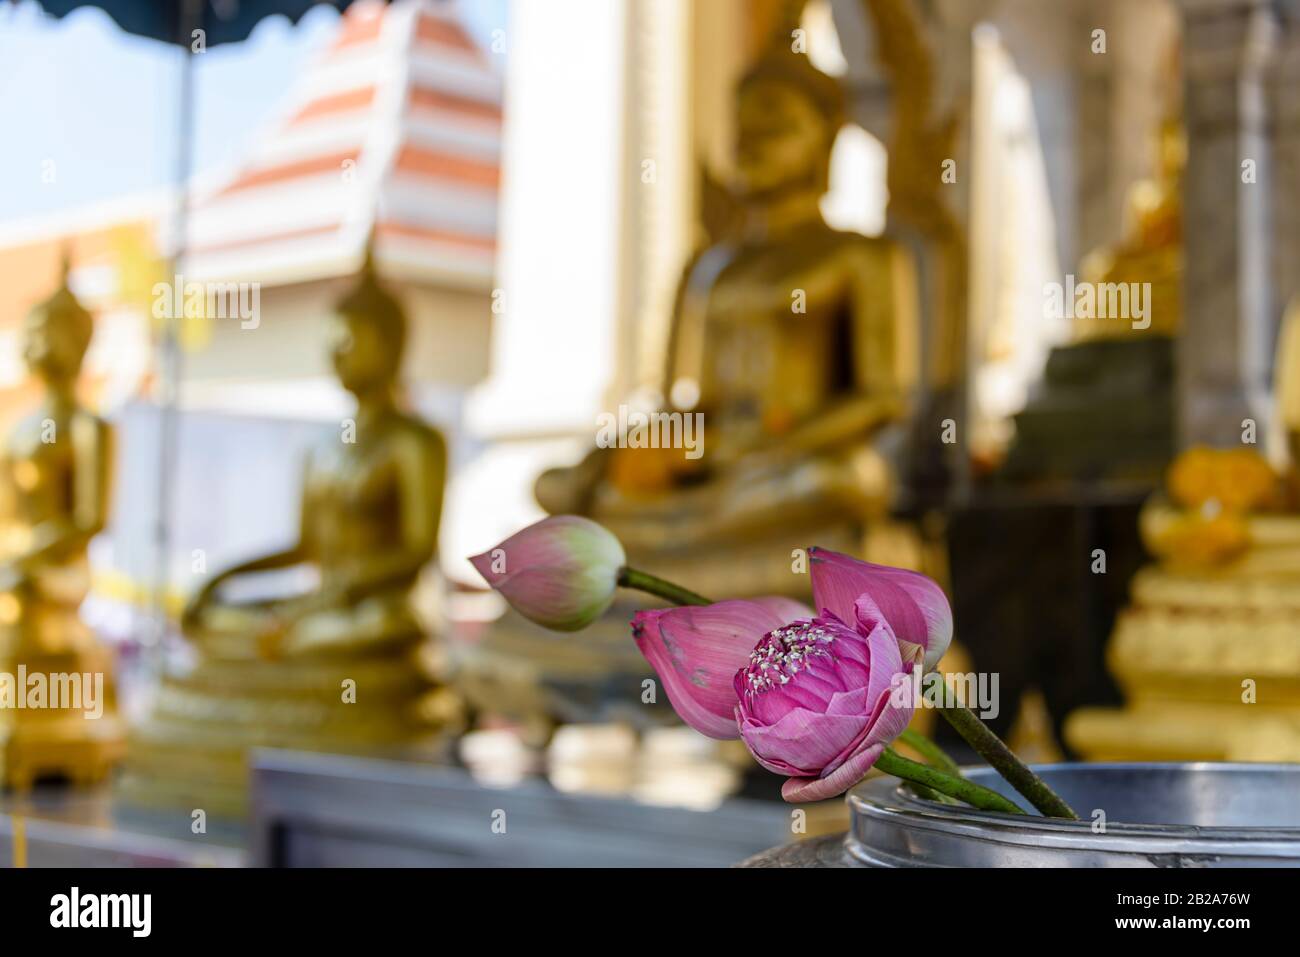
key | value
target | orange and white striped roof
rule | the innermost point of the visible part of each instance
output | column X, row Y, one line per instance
column 395, row 129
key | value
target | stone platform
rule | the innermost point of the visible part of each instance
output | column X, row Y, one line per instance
column 819, row 852
column 327, row 811
column 67, row 827
column 319, row 810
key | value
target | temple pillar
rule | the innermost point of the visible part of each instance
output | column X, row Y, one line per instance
column 1229, row 315
column 659, row 174
column 1097, row 78
column 1045, row 48
column 1285, row 106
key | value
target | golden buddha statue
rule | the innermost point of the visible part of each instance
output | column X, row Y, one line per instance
column 346, row 665
column 789, row 336
column 57, row 709
column 1208, row 653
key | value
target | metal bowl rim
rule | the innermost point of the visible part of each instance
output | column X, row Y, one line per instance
column 884, row 798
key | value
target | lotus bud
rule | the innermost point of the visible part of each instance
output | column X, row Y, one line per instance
column 561, row 572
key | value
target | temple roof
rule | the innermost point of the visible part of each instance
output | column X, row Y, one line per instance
column 394, row 129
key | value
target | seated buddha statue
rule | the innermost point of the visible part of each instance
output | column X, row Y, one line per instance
column 370, row 512
column 786, row 341
column 1207, row 653
column 54, row 473
column 344, row 665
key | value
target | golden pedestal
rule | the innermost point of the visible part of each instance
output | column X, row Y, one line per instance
column 67, row 735
column 193, row 750
column 1208, row 659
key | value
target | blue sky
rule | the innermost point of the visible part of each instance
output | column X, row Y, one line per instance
column 100, row 104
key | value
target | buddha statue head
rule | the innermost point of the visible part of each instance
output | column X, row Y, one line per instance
column 55, row 336
column 367, row 334
column 788, row 115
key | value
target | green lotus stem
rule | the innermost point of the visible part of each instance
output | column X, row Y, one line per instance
column 934, row 755
column 1001, row 758
column 653, row 585
column 976, row 795
column 936, row 758
column 930, row 794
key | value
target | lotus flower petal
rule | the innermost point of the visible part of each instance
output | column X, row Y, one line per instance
column 808, row 742
column 914, row 606
column 697, row 650
column 807, row 790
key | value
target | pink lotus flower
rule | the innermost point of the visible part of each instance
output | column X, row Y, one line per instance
column 561, row 572
column 810, row 697
column 914, row 606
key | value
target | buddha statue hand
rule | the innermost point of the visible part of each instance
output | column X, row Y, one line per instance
column 314, row 603
column 198, row 603
column 568, row 489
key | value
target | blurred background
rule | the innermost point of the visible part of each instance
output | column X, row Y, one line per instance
column 995, row 290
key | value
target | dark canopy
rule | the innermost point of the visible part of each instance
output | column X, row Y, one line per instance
column 222, row 21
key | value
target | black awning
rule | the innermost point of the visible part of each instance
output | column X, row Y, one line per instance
column 222, row 21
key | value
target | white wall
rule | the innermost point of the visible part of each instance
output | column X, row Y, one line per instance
column 555, row 329
column 558, row 268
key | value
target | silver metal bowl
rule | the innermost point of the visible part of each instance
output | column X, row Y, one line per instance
column 1133, row 815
